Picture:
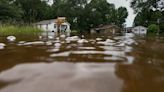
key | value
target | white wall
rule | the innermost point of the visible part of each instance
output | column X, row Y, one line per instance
column 51, row 27
column 44, row 27
column 68, row 26
column 139, row 30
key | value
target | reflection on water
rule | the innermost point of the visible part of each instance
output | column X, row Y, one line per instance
column 64, row 63
column 62, row 77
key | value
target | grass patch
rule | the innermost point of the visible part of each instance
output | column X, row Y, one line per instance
column 19, row 30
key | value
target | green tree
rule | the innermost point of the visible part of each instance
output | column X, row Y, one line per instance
column 148, row 12
column 100, row 12
column 122, row 14
column 71, row 9
column 153, row 28
column 33, row 10
column 139, row 5
column 9, row 12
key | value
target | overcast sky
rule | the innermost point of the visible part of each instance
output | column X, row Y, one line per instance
column 126, row 4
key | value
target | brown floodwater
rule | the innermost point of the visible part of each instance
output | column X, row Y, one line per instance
column 84, row 63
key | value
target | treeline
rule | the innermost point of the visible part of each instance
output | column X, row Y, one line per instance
column 149, row 12
column 82, row 14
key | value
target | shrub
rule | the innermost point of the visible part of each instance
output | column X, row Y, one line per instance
column 153, row 28
column 18, row 30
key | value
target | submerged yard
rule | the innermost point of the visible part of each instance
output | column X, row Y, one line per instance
column 83, row 63
column 45, row 46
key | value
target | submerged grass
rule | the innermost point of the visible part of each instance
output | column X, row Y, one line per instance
column 19, row 30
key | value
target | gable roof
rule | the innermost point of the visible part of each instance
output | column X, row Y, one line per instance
column 140, row 26
column 105, row 27
column 44, row 22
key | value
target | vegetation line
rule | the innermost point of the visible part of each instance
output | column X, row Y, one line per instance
column 18, row 30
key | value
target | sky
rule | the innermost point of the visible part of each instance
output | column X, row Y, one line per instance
column 125, row 3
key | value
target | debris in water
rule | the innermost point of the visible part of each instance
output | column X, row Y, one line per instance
column 11, row 38
column 2, row 46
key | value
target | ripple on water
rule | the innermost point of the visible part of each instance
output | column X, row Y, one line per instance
column 62, row 77
column 34, row 43
column 110, row 53
column 87, row 48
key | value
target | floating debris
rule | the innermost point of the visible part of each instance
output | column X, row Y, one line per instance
column 11, row 38
column 109, row 41
column 99, row 39
column 53, row 50
column 2, row 46
column 63, row 54
column 120, row 44
column 73, row 38
column 82, row 36
column 49, row 43
column 50, row 37
column 81, row 41
column 129, row 35
column 113, row 58
column 129, row 41
column 34, row 43
column 40, row 37
column 20, row 43
column 87, row 48
column 62, row 36
column 57, row 45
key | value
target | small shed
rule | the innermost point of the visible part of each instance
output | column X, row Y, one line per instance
column 106, row 29
column 51, row 26
column 139, row 30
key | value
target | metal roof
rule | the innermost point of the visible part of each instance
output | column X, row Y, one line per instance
column 45, row 22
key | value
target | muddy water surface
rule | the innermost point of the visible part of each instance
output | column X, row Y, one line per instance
column 50, row 63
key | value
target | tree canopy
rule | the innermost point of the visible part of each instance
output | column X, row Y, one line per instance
column 9, row 11
column 82, row 14
column 148, row 12
column 139, row 5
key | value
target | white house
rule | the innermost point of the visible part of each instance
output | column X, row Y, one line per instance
column 51, row 26
column 140, row 30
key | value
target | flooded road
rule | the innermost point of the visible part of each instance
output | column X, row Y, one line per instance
column 50, row 63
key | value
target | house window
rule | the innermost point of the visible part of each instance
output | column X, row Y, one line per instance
column 135, row 30
column 55, row 26
column 63, row 27
column 142, row 30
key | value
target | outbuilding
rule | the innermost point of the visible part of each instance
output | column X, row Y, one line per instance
column 106, row 30
column 139, row 30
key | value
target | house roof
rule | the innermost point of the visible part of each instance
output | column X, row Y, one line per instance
column 140, row 26
column 47, row 22
column 105, row 27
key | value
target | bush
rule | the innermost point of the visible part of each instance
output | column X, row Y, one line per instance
column 153, row 28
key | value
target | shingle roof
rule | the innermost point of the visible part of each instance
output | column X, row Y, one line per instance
column 105, row 27
column 45, row 22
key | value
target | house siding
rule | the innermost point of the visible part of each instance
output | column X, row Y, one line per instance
column 50, row 26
